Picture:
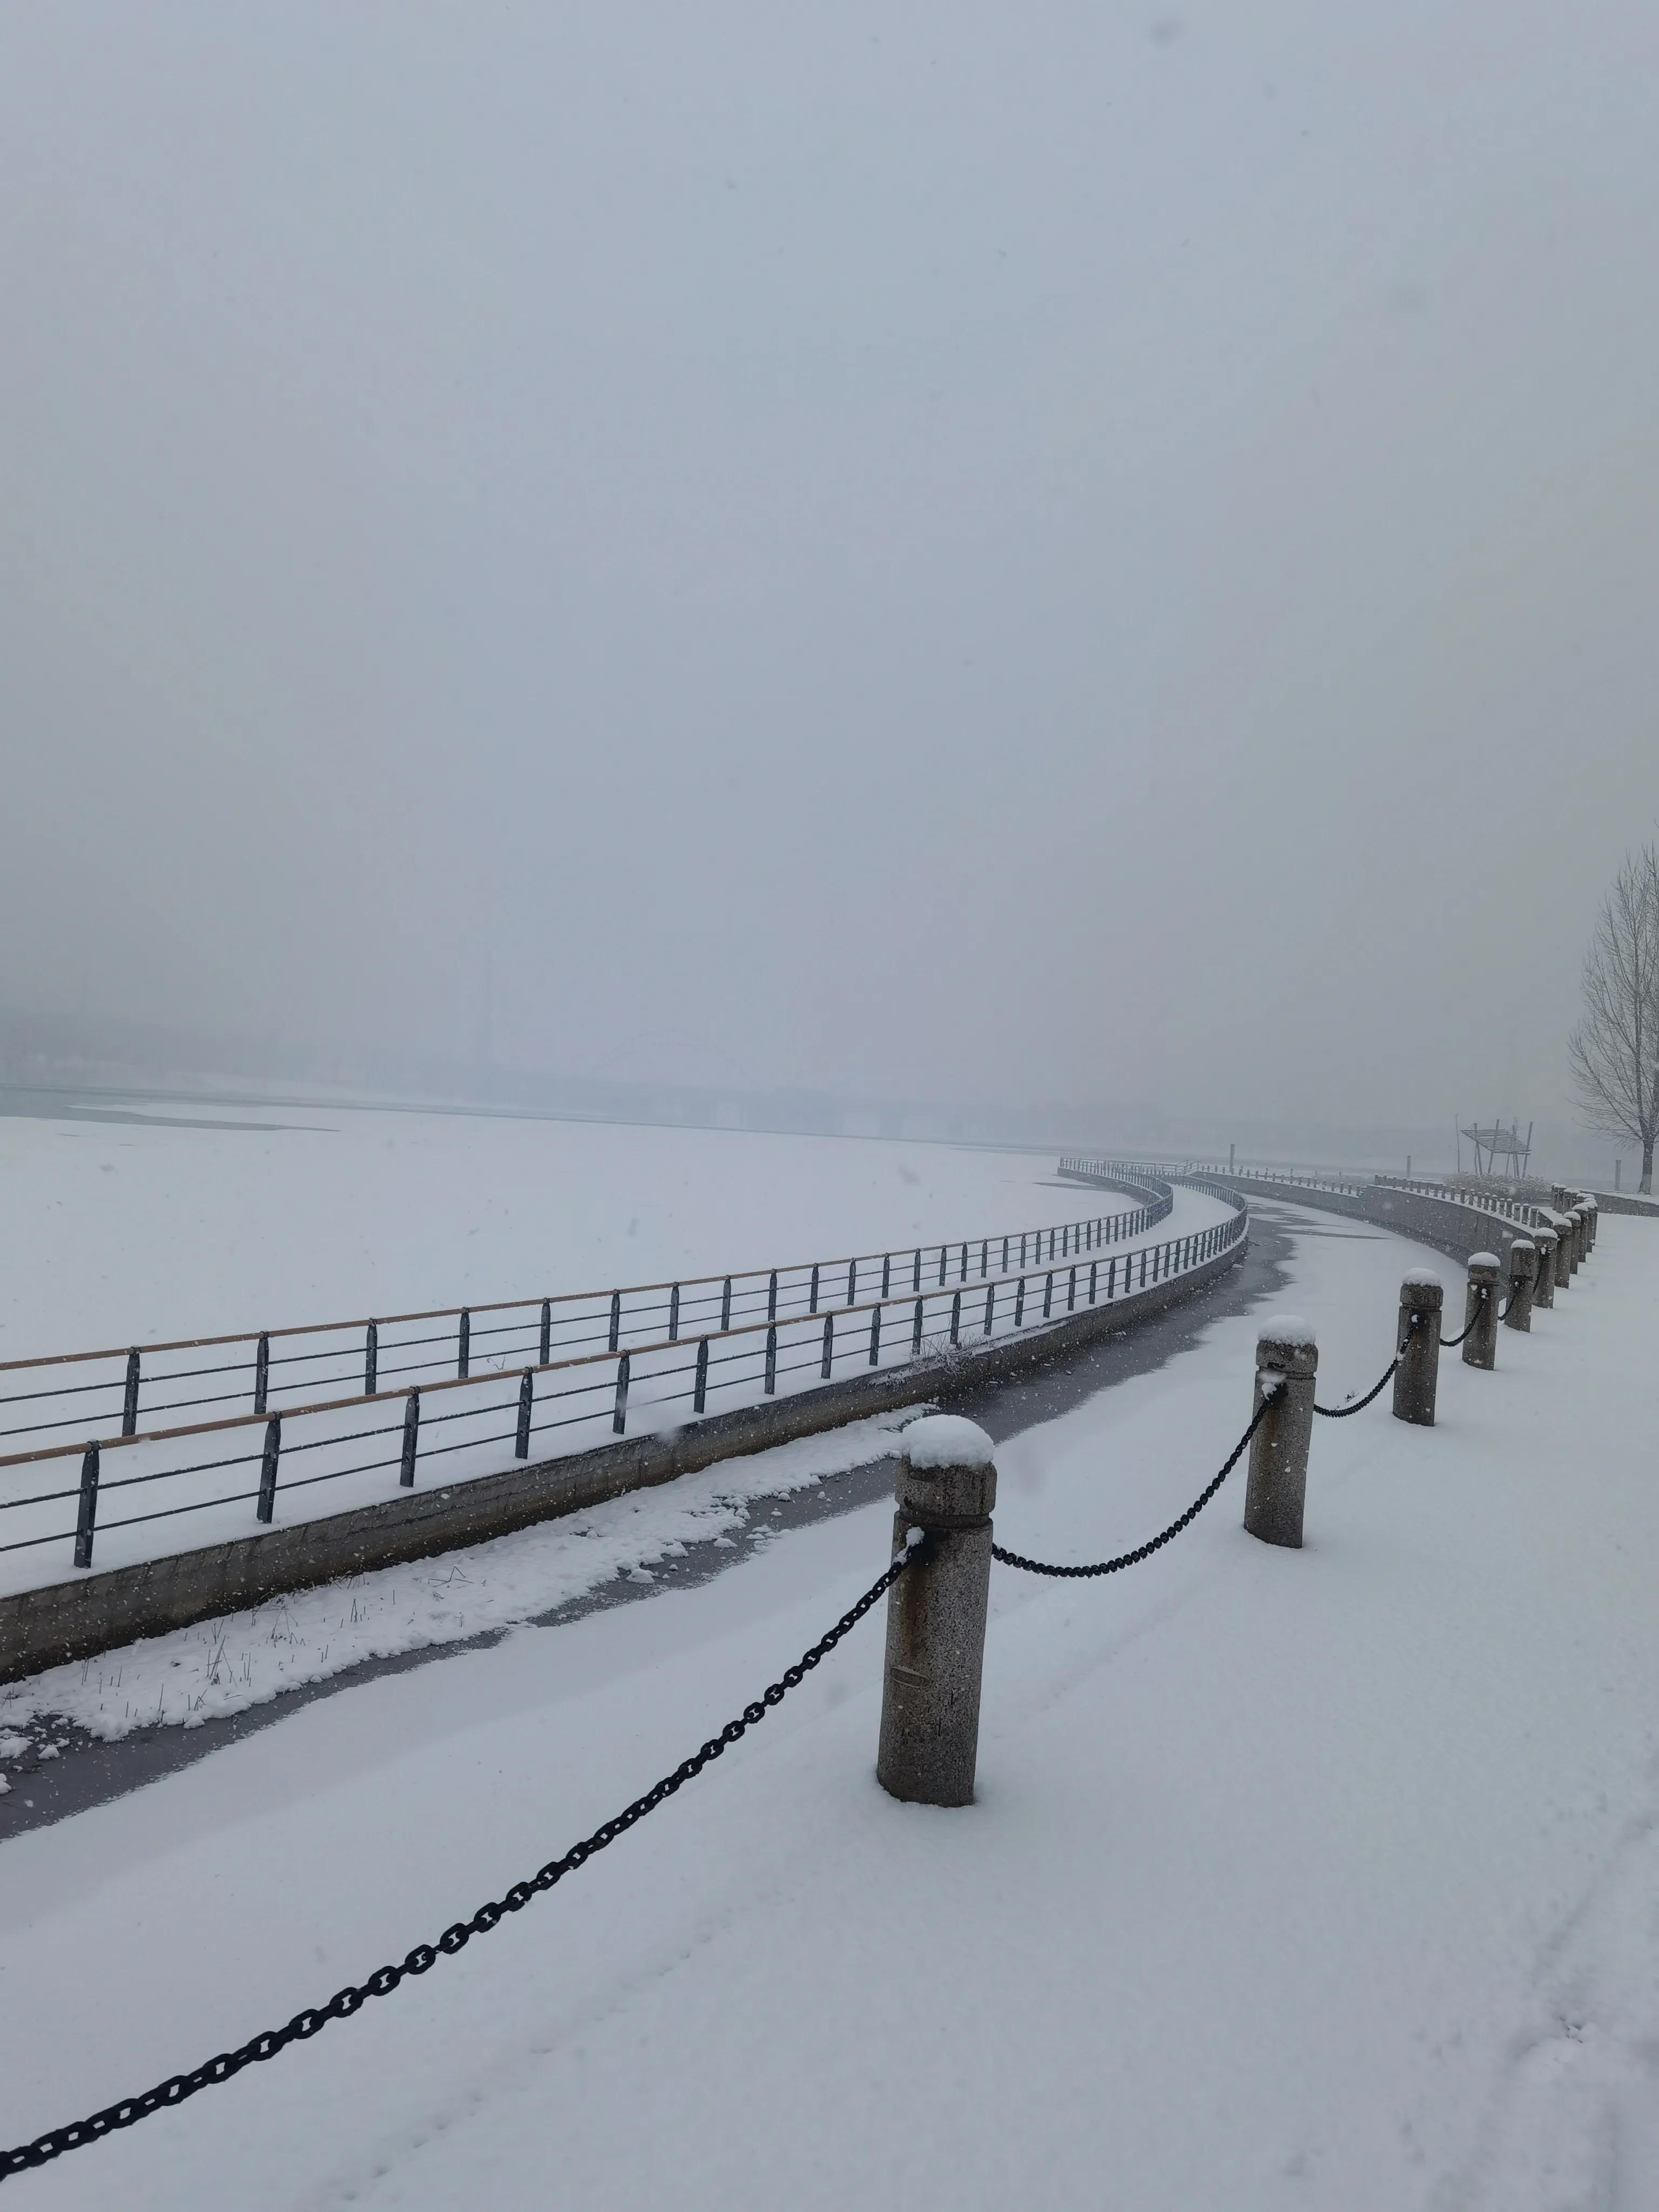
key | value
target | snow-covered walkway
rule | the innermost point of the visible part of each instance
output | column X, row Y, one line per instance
column 1321, row 1879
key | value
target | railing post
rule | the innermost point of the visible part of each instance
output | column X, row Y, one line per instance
column 1481, row 1311
column 547, row 1332
column 1543, row 1289
column 772, row 1296
column 1523, row 1273
column 616, row 1322
column 372, row 1360
column 1422, row 1301
column 936, row 1614
column 771, row 1360
column 412, row 1439
column 619, row 1411
column 674, row 1315
column 812, row 1295
column 1287, row 1361
column 261, row 1374
column 726, row 1305
column 267, row 1505
column 526, row 1400
column 129, row 1398
column 875, row 1336
column 700, row 1391
column 86, row 1519
column 464, row 1344
column 828, row 1355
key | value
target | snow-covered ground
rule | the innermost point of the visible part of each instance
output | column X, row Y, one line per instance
column 1324, row 1878
column 123, row 1234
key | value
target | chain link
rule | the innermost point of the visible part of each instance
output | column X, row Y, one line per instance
column 1144, row 1551
column 1342, row 1413
column 1451, row 1343
column 381, row 1983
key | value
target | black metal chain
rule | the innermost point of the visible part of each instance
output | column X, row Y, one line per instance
column 1451, row 1343
column 1144, row 1551
column 1342, row 1413
column 381, row 1984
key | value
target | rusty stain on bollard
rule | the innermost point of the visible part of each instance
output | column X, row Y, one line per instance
column 1481, row 1311
column 1523, row 1273
column 1286, row 1361
column 936, row 1612
column 1422, row 1300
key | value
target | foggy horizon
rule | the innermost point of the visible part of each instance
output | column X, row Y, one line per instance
column 996, row 559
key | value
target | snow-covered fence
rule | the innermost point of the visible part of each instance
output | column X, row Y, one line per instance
column 560, row 1423
column 109, row 1394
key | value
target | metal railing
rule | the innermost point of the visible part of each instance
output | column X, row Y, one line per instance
column 460, row 1426
column 1190, row 1171
column 270, row 1371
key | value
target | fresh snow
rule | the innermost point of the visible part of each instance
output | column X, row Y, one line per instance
column 119, row 1235
column 238, row 1660
column 1288, row 1328
column 1321, row 1879
column 946, row 1440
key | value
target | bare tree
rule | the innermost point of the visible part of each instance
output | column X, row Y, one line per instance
column 1614, row 1050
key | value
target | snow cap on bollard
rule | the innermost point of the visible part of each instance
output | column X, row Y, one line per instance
column 946, row 1440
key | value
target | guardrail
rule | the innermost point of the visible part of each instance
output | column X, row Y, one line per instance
column 273, row 1371
column 933, row 1302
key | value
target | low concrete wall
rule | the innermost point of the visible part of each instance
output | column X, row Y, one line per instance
column 97, row 1612
column 1627, row 1201
column 1457, row 1231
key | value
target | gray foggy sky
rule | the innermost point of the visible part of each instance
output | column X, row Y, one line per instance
column 1019, row 552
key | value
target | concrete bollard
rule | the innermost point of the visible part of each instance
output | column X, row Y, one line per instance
column 947, row 1487
column 1481, row 1311
column 1580, row 1220
column 1422, row 1301
column 1563, row 1228
column 1286, row 1361
column 1543, row 1289
column 1523, row 1273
